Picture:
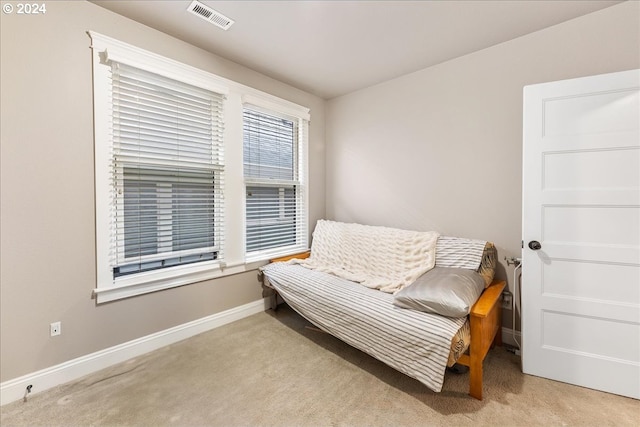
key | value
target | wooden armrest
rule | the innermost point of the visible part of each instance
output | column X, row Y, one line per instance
column 274, row 296
column 485, row 322
column 490, row 297
column 301, row 255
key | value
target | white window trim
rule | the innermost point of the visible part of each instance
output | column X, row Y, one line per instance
column 107, row 289
column 204, row 271
column 302, row 117
column 269, row 105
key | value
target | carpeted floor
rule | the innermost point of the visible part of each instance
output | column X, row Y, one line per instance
column 274, row 369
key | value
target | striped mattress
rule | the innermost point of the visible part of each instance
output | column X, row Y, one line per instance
column 415, row 343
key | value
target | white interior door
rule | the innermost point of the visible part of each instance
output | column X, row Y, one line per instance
column 581, row 203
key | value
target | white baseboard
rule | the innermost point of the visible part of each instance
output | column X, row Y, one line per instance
column 509, row 336
column 53, row 376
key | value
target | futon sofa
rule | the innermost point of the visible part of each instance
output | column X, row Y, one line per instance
column 417, row 301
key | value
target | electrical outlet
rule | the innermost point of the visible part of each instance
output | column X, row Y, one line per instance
column 56, row 328
column 507, row 301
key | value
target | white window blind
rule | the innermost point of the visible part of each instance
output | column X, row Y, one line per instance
column 167, row 166
column 276, row 218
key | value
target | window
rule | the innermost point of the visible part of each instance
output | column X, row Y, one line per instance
column 276, row 220
column 167, row 181
column 171, row 205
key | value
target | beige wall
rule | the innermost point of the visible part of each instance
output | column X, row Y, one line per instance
column 440, row 149
column 47, row 213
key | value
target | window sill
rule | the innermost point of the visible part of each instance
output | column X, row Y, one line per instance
column 280, row 252
column 126, row 287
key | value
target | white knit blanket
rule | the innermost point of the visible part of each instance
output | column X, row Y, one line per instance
column 377, row 257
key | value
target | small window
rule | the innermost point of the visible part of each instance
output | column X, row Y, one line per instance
column 276, row 219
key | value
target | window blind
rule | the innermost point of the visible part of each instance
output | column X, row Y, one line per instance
column 275, row 208
column 167, row 165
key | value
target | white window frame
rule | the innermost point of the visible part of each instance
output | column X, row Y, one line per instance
column 107, row 289
column 300, row 181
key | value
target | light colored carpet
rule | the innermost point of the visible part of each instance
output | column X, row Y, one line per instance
column 273, row 369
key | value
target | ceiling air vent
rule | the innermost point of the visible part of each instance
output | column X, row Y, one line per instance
column 210, row 15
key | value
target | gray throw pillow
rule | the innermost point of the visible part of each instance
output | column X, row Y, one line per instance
column 446, row 291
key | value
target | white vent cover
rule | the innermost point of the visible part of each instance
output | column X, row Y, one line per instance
column 210, row 15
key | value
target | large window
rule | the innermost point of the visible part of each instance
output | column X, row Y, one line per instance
column 274, row 182
column 171, row 198
column 166, row 172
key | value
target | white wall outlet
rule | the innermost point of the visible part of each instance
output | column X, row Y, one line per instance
column 56, row 328
column 507, row 301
